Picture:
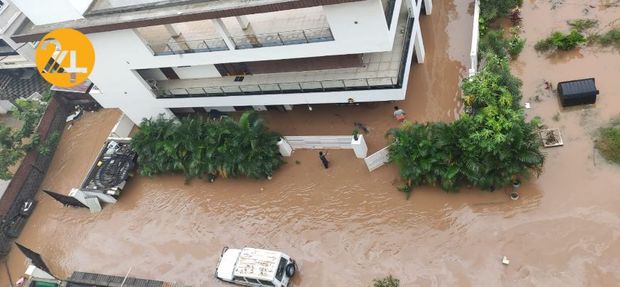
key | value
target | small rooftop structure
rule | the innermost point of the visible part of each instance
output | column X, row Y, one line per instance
column 577, row 92
column 257, row 263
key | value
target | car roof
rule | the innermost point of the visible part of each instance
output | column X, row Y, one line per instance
column 257, row 264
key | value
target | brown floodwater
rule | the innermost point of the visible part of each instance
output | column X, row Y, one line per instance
column 346, row 226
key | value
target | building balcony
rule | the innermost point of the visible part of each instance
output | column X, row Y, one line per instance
column 289, row 27
column 378, row 71
column 243, row 42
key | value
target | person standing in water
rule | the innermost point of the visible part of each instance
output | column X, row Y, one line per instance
column 399, row 114
column 323, row 158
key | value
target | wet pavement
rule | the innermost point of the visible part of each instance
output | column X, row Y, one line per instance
column 346, row 226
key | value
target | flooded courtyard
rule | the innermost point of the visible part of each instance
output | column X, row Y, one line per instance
column 346, row 226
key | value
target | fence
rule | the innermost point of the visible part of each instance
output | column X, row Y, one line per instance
column 290, row 143
column 244, row 42
column 378, row 158
column 475, row 37
column 29, row 175
column 282, row 88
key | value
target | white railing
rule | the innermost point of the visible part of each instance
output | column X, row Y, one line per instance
column 378, row 158
column 319, row 142
column 475, row 37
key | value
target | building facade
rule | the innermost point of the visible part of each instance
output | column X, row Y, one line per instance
column 170, row 58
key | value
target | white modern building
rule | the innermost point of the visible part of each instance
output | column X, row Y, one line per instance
column 187, row 56
column 13, row 55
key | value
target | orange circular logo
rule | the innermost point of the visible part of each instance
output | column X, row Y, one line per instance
column 65, row 57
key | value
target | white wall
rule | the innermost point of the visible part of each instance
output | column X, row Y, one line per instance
column 122, row 87
column 42, row 12
column 197, row 72
column 369, row 35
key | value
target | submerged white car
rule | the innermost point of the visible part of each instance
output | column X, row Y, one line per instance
column 255, row 267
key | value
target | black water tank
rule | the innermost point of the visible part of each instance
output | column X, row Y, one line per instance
column 577, row 92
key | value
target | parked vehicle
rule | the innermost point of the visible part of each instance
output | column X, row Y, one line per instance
column 255, row 267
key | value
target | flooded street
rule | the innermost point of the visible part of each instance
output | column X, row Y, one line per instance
column 346, row 226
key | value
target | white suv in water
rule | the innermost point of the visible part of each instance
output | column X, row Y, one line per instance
column 255, row 267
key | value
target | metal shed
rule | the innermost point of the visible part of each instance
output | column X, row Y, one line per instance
column 577, row 92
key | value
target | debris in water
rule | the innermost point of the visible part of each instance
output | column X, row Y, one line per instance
column 551, row 137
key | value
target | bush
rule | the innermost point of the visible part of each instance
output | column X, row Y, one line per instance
column 611, row 38
column 515, row 45
column 608, row 141
column 492, row 9
column 494, row 42
column 582, row 25
column 561, row 41
column 48, row 145
column 426, row 154
column 207, row 148
column 485, row 148
column 389, row 281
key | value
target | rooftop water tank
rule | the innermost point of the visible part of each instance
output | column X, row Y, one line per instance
column 577, row 92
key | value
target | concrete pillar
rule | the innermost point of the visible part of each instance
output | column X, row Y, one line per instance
column 244, row 22
column 284, row 147
column 359, row 146
column 428, row 6
column 173, row 32
column 260, row 108
column 419, row 44
column 288, row 107
column 220, row 27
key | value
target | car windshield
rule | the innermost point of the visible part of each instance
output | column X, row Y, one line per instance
column 281, row 268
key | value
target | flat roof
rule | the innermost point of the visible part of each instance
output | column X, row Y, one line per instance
column 257, row 264
column 110, row 15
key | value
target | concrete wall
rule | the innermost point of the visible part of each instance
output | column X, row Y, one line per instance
column 42, row 12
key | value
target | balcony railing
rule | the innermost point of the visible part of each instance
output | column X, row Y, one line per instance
column 244, row 42
column 283, row 38
column 184, row 47
column 281, row 88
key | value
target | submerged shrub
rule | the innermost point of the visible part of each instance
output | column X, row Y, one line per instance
column 389, row 281
column 492, row 9
column 494, row 42
column 608, row 141
column 515, row 45
column 561, row 41
column 611, row 38
column 582, row 25
column 207, row 148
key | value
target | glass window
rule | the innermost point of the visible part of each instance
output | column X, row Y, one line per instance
column 281, row 268
column 265, row 283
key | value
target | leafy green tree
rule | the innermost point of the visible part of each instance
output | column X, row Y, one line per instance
column 29, row 112
column 207, row 148
column 487, row 147
column 10, row 151
column 426, row 154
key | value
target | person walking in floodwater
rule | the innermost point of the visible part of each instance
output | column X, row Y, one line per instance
column 399, row 114
column 324, row 159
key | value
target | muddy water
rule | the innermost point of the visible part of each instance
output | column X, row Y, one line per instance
column 346, row 226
